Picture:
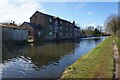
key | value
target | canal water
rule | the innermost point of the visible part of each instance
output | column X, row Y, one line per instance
column 47, row 60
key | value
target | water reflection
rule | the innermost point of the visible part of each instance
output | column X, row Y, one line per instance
column 39, row 54
column 46, row 60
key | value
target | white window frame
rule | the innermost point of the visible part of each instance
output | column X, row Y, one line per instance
column 39, row 33
column 50, row 19
column 50, row 33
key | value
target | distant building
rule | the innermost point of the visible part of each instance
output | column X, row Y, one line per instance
column 55, row 27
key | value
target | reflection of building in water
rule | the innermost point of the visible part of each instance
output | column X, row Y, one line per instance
column 40, row 55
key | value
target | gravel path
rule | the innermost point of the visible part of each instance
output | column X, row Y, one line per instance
column 117, row 61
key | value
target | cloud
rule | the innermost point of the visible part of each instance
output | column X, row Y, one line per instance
column 89, row 13
column 93, row 24
column 101, row 24
column 18, row 11
column 78, row 0
column 80, row 6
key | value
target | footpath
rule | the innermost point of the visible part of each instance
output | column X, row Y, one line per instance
column 116, row 61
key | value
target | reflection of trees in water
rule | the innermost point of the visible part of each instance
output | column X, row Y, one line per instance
column 97, row 40
column 39, row 54
column 89, row 41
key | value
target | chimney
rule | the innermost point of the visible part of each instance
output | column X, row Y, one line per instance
column 73, row 23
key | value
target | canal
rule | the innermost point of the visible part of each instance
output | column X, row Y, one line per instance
column 47, row 60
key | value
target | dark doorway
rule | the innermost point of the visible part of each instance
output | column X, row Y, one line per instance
column 56, row 36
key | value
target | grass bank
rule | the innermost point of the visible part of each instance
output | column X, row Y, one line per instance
column 98, row 63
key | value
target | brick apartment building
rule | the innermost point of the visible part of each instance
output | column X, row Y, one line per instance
column 55, row 27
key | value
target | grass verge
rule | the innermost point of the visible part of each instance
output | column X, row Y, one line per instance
column 98, row 63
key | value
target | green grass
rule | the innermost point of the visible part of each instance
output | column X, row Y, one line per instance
column 98, row 63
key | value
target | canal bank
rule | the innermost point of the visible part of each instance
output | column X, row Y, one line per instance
column 98, row 63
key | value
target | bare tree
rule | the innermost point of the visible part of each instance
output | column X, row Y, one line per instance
column 112, row 24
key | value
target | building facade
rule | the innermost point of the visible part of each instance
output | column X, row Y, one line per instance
column 55, row 27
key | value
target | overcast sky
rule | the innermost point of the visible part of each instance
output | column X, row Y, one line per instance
column 84, row 13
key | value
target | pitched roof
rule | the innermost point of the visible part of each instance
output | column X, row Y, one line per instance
column 35, row 26
column 50, row 16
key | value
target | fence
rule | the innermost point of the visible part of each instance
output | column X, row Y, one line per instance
column 14, row 35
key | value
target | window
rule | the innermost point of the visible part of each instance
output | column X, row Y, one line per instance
column 56, row 27
column 56, row 23
column 39, row 33
column 50, row 33
column 66, row 28
column 50, row 19
column 67, row 24
column 56, row 31
column 76, row 34
column 76, row 29
column 50, row 27
column 28, row 33
column 60, row 22
column 66, row 34
column 61, row 34
column 60, row 27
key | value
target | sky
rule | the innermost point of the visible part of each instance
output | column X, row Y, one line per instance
column 83, row 13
